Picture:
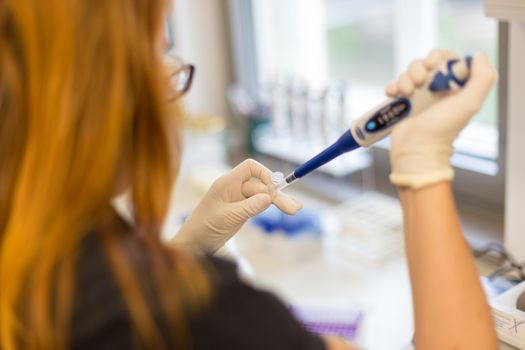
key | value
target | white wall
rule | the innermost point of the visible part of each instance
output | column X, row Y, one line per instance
column 202, row 38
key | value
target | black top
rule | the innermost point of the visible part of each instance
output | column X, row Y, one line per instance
column 239, row 316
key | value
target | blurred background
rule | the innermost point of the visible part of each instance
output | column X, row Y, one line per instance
column 279, row 80
column 288, row 77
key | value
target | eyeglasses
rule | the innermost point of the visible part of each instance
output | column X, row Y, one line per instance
column 180, row 79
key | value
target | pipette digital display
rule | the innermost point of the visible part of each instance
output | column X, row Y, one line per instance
column 379, row 122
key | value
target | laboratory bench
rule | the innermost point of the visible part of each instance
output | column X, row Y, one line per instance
column 314, row 276
column 304, row 270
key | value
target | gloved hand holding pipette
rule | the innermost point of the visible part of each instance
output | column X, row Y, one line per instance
column 421, row 147
column 441, row 77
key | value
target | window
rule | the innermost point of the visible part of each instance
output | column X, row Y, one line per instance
column 360, row 32
column 367, row 43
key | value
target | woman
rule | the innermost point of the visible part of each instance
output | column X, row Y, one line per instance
column 84, row 117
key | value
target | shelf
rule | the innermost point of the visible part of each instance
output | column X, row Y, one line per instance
column 505, row 10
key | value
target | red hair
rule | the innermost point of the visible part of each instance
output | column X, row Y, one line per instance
column 82, row 106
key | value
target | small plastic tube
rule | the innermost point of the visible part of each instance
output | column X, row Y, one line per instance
column 280, row 181
column 277, row 178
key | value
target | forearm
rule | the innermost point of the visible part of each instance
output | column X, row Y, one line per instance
column 451, row 311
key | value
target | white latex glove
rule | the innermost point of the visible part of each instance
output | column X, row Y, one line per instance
column 232, row 199
column 422, row 145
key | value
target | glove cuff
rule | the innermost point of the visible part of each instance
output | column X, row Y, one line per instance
column 417, row 181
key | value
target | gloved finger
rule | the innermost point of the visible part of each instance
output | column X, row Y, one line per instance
column 406, row 85
column 254, row 205
column 418, row 72
column 467, row 102
column 458, row 109
column 251, row 168
column 286, row 203
column 252, row 187
column 392, row 90
column 437, row 56
column 482, row 78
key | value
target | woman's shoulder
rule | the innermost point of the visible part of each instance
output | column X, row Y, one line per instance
column 238, row 316
column 242, row 316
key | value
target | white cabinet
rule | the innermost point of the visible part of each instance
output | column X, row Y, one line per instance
column 505, row 9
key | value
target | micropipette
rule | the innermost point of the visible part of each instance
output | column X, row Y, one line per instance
column 379, row 122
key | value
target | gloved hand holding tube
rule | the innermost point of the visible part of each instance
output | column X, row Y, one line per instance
column 244, row 192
